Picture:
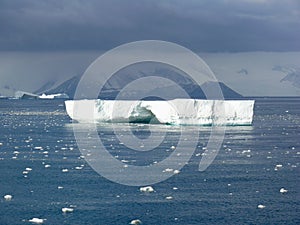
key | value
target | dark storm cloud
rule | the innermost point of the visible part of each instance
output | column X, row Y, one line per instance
column 224, row 25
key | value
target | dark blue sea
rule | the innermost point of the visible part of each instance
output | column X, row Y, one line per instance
column 42, row 168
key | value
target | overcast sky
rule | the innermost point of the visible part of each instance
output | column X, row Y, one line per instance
column 201, row 25
column 54, row 40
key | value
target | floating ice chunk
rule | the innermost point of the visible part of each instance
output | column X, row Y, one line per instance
column 135, row 222
column 278, row 166
column 282, row 190
column 7, row 197
column 37, row 220
column 67, row 210
column 168, row 170
column 176, row 171
column 246, row 151
column 261, row 206
column 147, row 189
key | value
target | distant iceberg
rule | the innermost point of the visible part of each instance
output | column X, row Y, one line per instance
column 54, row 96
column 28, row 95
column 177, row 111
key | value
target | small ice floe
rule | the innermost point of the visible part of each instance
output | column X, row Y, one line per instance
column 246, row 151
column 7, row 197
column 64, row 170
column 261, row 206
column 283, row 190
column 176, row 171
column 168, row 170
column 67, row 210
column 36, row 220
column 135, row 222
column 147, row 189
column 169, row 198
column 278, row 166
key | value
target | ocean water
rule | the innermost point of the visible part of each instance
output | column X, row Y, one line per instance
column 253, row 164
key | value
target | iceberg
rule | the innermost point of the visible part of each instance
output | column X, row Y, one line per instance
column 173, row 112
column 54, row 96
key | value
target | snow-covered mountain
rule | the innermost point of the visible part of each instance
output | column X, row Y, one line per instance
column 258, row 73
column 250, row 74
column 151, row 88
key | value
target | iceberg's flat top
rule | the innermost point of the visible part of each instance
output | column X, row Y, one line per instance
column 177, row 111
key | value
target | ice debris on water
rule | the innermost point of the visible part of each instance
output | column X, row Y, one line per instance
column 168, row 170
column 135, row 222
column 283, row 190
column 278, row 166
column 7, row 197
column 147, row 189
column 261, row 206
column 37, row 220
column 67, row 210
column 176, row 171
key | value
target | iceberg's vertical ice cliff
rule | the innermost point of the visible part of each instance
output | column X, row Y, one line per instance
column 177, row 111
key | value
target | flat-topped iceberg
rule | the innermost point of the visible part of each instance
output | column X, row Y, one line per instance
column 177, row 111
column 54, row 96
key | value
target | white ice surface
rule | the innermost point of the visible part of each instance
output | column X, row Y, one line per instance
column 177, row 111
column 54, row 96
